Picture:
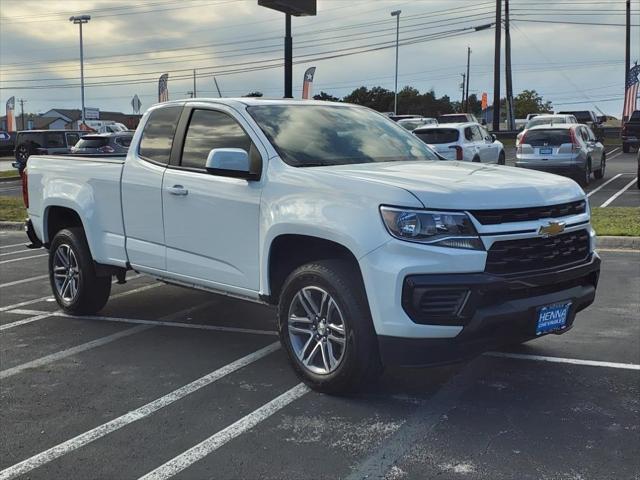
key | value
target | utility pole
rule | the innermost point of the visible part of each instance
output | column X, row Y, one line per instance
column 217, row 87
column 463, row 93
column 496, row 68
column 396, row 13
column 80, row 20
column 507, row 64
column 627, row 52
column 466, row 98
column 288, row 58
column 194, row 84
column 22, row 113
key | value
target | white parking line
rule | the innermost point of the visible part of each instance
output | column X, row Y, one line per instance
column 14, row 245
column 614, row 150
column 15, row 306
column 24, row 280
column 158, row 323
column 24, row 321
column 72, row 351
column 139, row 413
column 615, row 156
column 24, row 258
column 18, row 251
column 204, row 448
column 604, row 184
column 572, row 361
column 620, row 192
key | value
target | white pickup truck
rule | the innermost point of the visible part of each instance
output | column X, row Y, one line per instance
column 376, row 251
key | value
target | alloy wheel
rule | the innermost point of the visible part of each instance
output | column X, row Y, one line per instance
column 66, row 273
column 317, row 330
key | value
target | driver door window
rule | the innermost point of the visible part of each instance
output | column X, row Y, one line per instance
column 209, row 129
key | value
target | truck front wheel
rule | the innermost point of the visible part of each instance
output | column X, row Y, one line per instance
column 76, row 287
column 325, row 326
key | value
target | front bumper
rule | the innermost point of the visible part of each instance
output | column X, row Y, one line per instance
column 497, row 310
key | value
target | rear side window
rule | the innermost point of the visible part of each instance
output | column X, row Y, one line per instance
column 55, row 140
column 92, row 142
column 72, row 139
column 123, row 141
column 438, row 135
column 635, row 116
column 157, row 137
column 36, row 139
column 547, row 137
column 209, row 129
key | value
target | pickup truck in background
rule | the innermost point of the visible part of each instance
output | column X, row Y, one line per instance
column 631, row 132
column 374, row 251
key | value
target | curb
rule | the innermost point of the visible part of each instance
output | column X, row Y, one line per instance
column 631, row 243
column 11, row 226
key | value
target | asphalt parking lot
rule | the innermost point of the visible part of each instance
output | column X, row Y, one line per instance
column 169, row 382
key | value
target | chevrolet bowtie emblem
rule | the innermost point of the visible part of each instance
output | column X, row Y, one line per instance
column 553, row 228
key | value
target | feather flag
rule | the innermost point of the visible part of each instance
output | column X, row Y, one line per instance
column 11, row 116
column 163, row 89
column 307, row 84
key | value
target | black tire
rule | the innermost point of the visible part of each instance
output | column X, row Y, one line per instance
column 626, row 148
column 599, row 174
column 91, row 292
column 502, row 159
column 360, row 362
column 22, row 153
column 476, row 159
column 585, row 178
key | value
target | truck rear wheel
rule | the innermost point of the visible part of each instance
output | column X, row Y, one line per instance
column 325, row 326
column 76, row 287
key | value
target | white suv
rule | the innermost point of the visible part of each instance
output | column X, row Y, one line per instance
column 470, row 142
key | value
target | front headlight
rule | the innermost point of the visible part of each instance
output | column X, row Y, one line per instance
column 446, row 229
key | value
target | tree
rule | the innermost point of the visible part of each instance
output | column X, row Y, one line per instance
column 529, row 101
column 326, row 96
column 378, row 98
column 254, row 94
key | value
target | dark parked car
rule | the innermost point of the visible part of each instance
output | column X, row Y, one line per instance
column 104, row 143
column 588, row 118
column 43, row 142
column 631, row 132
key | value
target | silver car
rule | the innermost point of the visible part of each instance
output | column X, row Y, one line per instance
column 545, row 119
column 570, row 150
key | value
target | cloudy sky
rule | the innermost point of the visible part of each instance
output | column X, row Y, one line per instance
column 570, row 51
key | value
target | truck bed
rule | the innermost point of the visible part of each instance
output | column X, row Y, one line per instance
column 88, row 185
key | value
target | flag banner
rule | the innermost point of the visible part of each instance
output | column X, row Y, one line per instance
column 631, row 92
column 11, row 116
column 163, row 89
column 485, row 100
column 308, row 82
column 136, row 104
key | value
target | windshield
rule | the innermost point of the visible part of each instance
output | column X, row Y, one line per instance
column 453, row 119
column 547, row 137
column 438, row 135
column 316, row 135
column 545, row 121
column 92, row 142
column 411, row 124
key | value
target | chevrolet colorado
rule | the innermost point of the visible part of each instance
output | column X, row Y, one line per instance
column 374, row 250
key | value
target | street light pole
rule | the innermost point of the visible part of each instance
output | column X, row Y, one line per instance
column 79, row 20
column 396, row 13
column 466, row 97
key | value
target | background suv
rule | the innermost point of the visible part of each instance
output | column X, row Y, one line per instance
column 104, row 143
column 463, row 141
column 570, row 150
column 43, row 142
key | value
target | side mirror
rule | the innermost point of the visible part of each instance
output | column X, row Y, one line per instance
column 229, row 162
column 493, row 137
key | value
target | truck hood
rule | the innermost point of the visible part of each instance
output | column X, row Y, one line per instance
column 464, row 185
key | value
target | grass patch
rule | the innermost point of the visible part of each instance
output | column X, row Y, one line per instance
column 9, row 174
column 619, row 221
column 12, row 209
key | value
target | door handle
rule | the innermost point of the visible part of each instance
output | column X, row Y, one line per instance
column 178, row 190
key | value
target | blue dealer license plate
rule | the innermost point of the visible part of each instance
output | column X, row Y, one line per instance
column 552, row 317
